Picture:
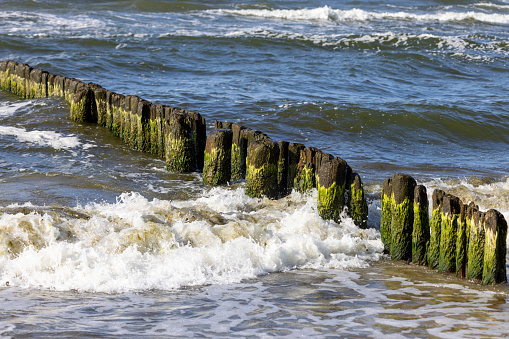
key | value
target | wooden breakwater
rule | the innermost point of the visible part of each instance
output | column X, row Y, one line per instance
column 230, row 152
column 458, row 238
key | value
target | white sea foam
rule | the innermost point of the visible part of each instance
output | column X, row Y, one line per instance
column 52, row 139
column 327, row 13
column 137, row 244
column 8, row 108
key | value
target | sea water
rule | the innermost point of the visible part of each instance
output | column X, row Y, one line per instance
column 98, row 240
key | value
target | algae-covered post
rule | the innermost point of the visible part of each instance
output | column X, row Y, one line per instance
column 331, row 186
column 475, row 252
column 282, row 169
column 178, row 144
column 461, row 244
column 305, row 177
column 402, row 201
column 357, row 204
column 262, row 165
column 435, row 229
column 421, row 231
column 386, row 218
column 83, row 106
column 217, row 165
column 294, row 150
column 495, row 248
column 451, row 209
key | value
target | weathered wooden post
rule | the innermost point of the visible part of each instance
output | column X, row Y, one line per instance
column 294, row 150
column 495, row 248
column 261, row 174
column 100, row 103
column 357, row 204
column 198, row 139
column 421, row 232
column 305, row 179
column 403, row 187
column 451, row 209
column 386, row 218
column 331, row 185
column 475, row 252
column 83, row 108
column 217, row 165
column 178, row 144
column 435, row 229
column 461, row 244
column 239, row 152
column 282, row 169
column 37, row 84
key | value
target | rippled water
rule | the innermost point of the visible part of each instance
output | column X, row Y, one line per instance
column 100, row 240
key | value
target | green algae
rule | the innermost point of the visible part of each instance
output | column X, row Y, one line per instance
column 216, row 167
column 386, row 221
column 434, row 241
column 331, row 201
column 401, row 229
column 448, row 234
column 420, row 234
column 358, row 207
column 304, row 180
column 475, row 249
column 178, row 155
column 236, row 163
column 262, row 181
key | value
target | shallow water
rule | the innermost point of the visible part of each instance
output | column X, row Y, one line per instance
column 100, row 240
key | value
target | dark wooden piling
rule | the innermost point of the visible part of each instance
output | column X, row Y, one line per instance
column 179, row 150
column 357, row 204
column 282, row 169
column 294, row 150
column 461, row 244
column 305, row 179
column 331, row 185
column 386, row 217
column 261, row 174
column 83, row 107
column 451, row 209
column 100, row 103
column 239, row 152
column 495, row 248
column 475, row 251
column 403, row 187
column 198, row 139
column 217, row 162
column 421, row 231
column 37, row 84
column 435, row 229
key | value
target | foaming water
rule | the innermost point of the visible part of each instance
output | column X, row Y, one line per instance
column 137, row 244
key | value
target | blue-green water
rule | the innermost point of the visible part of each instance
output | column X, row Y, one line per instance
column 420, row 88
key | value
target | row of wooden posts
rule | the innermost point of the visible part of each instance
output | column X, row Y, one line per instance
column 230, row 152
column 458, row 238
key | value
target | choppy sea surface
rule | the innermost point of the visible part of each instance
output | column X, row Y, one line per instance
column 98, row 240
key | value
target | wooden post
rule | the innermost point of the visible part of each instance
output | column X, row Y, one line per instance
column 476, row 235
column 261, row 174
column 421, row 232
column 217, row 165
column 331, row 185
column 357, row 204
column 451, row 209
column 435, row 229
column 178, row 144
column 403, row 187
column 495, row 248
column 386, row 218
